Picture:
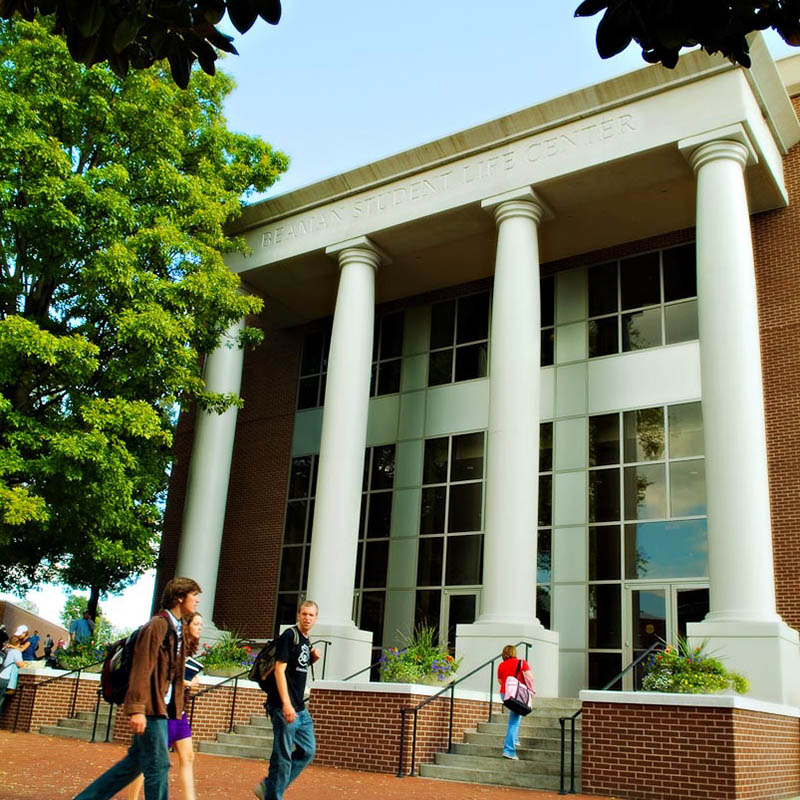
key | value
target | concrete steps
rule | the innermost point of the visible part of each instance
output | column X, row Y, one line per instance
column 246, row 741
column 80, row 727
column 479, row 758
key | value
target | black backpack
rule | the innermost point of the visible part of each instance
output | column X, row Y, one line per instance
column 116, row 673
column 264, row 665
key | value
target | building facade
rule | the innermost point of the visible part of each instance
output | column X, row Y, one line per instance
column 537, row 381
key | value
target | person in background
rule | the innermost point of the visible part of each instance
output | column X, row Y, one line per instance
column 48, row 646
column 3, row 637
column 30, row 653
column 81, row 630
column 9, row 672
column 507, row 669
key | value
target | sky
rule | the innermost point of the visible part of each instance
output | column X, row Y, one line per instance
column 340, row 84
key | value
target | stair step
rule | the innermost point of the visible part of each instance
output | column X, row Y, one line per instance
column 261, row 722
column 525, row 779
column 529, row 751
column 496, row 763
column 253, row 730
column 84, row 734
column 102, row 714
column 243, row 739
column 236, row 750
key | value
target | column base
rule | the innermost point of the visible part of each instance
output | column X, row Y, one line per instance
column 479, row 641
column 350, row 650
column 766, row 653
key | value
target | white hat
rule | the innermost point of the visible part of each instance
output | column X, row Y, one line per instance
column 21, row 631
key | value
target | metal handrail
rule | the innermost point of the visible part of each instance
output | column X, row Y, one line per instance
column 563, row 720
column 36, row 686
column 324, row 657
column 451, row 687
column 96, row 714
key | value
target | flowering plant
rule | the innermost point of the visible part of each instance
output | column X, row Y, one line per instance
column 689, row 670
column 80, row 654
column 421, row 660
column 228, row 651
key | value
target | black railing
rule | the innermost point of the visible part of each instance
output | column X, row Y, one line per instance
column 563, row 720
column 79, row 670
column 96, row 714
column 324, row 657
column 451, row 687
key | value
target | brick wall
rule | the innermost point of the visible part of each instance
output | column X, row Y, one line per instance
column 665, row 751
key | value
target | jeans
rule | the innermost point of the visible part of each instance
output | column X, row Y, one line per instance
column 147, row 754
column 512, row 733
column 293, row 747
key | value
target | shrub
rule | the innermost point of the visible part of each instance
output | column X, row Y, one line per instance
column 80, row 654
column 228, row 651
column 421, row 660
column 685, row 670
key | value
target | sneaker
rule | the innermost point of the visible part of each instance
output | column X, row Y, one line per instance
column 517, row 743
column 512, row 758
column 260, row 791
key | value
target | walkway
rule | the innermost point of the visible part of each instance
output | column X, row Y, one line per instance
column 33, row 767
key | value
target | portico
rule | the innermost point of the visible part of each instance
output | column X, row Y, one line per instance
column 637, row 157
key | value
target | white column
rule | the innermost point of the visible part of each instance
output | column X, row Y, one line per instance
column 337, row 508
column 209, row 473
column 508, row 599
column 742, row 625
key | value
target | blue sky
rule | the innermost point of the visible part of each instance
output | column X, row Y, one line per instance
column 338, row 85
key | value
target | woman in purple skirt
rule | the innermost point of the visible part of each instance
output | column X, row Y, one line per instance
column 179, row 734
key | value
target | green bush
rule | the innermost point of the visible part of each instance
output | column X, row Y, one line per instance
column 228, row 651
column 421, row 660
column 80, row 654
column 685, row 670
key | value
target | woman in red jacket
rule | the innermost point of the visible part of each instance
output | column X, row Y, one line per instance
column 507, row 669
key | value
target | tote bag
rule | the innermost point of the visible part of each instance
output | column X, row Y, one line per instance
column 518, row 695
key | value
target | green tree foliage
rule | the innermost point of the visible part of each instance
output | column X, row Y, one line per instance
column 137, row 33
column 74, row 608
column 114, row 194
column 663, row 27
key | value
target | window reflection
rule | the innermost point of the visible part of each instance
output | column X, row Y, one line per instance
column 687, row 488
column 674, row 549
column 685, row 430
column 644, row 434
column 645, row 492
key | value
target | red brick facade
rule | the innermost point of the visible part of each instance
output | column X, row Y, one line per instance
column 659, row 751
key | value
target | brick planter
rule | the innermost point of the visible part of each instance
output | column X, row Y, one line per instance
column 651, row 746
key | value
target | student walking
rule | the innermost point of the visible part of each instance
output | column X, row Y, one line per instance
column 293, row 744
column 155, row 692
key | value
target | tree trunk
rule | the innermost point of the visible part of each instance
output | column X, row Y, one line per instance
column 94, row 599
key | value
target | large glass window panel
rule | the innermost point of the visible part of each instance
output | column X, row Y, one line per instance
column 605, row 616
column 300, row 478
column 371, row 619
column 312, row 353
column 443, row 317
column 548, row 348
column 464, row 559
column 603, row 289
column 383, row 467
column 685, row 430
column 375, row 565
column 286, row 613
column 692, row 607
column 603, row 667
column 462, row 611
column 429, row 561
column 465, row 507
column 674, row 549
column 604, row 495
column 545, row 500
column 545, row 446
column 389, row 376
column 467, row 457
column 680, row 272
column 543, row 606
column 639, row 281
column 440, row 367
column 603, row 440
column 434, row 468
column 644, row 434
column 380, row 514
column 645, row 492
column 687, row 488
column 291, row 563
column 604, row 553
column 431, row 518
column 603, row 337
column 680, row 320
column 392, row 335
column 308, row 392
column 471, row 361
column 641, row 329
column 547, row 288
column 544, row 556
column 428, row 607
column 473, row 318
column 649, row 612
column 295, row 529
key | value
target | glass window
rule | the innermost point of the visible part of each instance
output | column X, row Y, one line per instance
column 680, row 320
column 472, row 361
column 383, row 467
column 604, row 495
column 603, row 440
column 443, row 318
column 603, row 337
column 545, row 446
column 641, row 329
column 645, row 492
column 461, row 327
column 375, row 564
column 313, row 366
column 545, row 500
column 464, row 556
column 547, row 290
column 440, row 367
column 380, row 514
column 434, row 501
column 389, row 376
column 427, row 609
column 644, row 434
column 602, row 669
column 308, row 392
column 467, row 459
column 680, row 272
column 685, row 430
column 300, row 476
column 465, row 507
column 547, row 353
column 543, row 606
column 312, row 353
column 640, row 281
column 435, row 464
column 687, row 488
column 673, row 549
column 604, row 553
column 544, row 556
column 473, row 318
column 295, row 529
column 391, row 344
column 605, row 616
column 430, row 560
column 603, row 289
column 291, row 563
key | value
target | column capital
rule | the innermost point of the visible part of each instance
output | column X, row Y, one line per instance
column 731, row 142
column 360, row 248
column 522, row 202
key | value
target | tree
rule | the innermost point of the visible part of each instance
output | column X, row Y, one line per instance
column 114, row 194
column 27, row 605
column 137, row 33
column 74, row 608
column 663, row 27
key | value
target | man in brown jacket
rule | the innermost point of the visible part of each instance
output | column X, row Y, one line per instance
column 155, row 691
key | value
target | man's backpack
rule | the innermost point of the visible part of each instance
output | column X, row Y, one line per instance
column 264, row 665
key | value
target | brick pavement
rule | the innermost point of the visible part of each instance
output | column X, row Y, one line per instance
column 33, row 767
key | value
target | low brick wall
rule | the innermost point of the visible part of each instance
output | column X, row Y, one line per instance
column 688, row 746
column 357, row 725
